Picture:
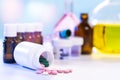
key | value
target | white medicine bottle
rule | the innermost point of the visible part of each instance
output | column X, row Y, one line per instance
column 33, row 55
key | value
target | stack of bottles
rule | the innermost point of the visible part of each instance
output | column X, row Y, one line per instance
column 16, row 33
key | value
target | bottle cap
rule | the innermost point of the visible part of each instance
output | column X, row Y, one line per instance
column 29, row 27
column 65, row 33
column 20, row 28
column 10, row 30
column 39, row 27
column 84, row 16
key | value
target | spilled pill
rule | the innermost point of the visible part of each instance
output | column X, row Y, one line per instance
column 45, row 70
column 67, row 71
column 53, row 72
column 39, row 71
column 60, row 71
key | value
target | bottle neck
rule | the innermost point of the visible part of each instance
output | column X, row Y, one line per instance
column 84, row 21
column 68, row 6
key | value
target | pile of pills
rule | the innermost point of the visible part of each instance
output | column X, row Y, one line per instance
column 52, row 71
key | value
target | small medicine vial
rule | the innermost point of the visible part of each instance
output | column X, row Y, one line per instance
column 38, row 33
column 29, row 32
column 20, row 33
column 32, row 55
column 9, row 43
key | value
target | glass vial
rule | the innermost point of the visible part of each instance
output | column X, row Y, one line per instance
column 9, row 43
column 20, row 33
column 38, row 33
column 29, row 34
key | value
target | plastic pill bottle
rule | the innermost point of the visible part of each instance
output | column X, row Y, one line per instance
column 28, row 54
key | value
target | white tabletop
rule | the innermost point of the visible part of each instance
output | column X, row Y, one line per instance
column 83, row 67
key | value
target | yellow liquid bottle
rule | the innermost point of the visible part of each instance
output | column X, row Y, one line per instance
column 106, row 27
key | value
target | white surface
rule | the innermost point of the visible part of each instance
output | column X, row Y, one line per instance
column 84, row 68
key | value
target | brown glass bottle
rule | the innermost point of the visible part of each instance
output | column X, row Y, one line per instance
column 29, row 33
column 38, row 34
column 84, row 30
column 9, row 43
column 20, row 33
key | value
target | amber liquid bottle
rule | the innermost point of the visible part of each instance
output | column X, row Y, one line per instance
column 84, row 30
column 9, row 43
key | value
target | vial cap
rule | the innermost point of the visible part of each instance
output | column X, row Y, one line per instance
column 10, row 30
column 39, row 27
column 29, row 27
column 21, row 28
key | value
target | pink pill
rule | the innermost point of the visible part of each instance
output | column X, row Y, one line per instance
column 53, row 72
column 47, row 70
column 60, row 71
column 70, row 70
column 39, row 71
column 67, row 71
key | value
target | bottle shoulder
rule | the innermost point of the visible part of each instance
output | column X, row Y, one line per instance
column 83, row 25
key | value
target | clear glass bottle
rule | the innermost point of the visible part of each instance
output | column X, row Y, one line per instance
column 106, row 12
column 106, row 26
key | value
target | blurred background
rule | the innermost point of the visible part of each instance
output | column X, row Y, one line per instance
column 47, row 12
